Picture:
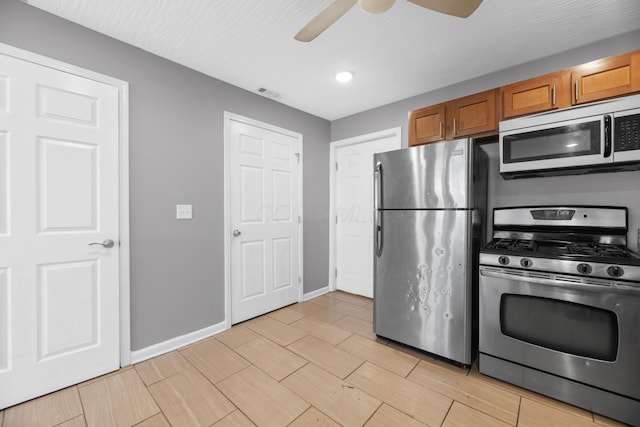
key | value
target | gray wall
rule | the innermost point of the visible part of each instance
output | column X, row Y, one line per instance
column 176, row 156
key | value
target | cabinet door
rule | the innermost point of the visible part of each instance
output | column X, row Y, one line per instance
column 475, row 114
column 427, row 125
column 607, row 78
column 535, row 95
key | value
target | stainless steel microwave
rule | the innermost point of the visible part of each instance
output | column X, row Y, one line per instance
column 601, row 137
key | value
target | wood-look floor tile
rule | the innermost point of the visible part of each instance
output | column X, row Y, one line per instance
column 324, row 300
column 482, row 396
column 463, row 416
column 234, row 419
column 357, row 326
column 105, row 376
column 350, row 298
column 357, row 311
column 275, row 360
column 236, row 336
column 161, row 367
column 155, row 421
column 188, row 399
column 386, row 416
column 415, row 400
column 261, row 398
column 323, row 330
column 286, row 315
column 380, row 355
column 330, row 358
column 319, row 312
column 215, row 360
column 547, row 401
column 278, row 332
column 345, row 404
column 1, row 417
column 535, row 414
column 46, row 411
column 76, row 422
column 119, row 400
column 313, row 417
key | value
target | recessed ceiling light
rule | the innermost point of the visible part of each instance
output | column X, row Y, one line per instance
column 344, row 76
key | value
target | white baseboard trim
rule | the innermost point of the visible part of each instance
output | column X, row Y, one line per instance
column 315, row 293
column 154, row 350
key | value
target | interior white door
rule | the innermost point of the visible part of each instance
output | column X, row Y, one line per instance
column 265, row 219
column 59, row 308
column 354, row 214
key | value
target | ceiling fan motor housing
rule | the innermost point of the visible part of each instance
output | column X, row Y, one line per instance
column 376, row 6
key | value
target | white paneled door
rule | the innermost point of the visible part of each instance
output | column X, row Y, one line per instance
column 354, row 213
column 265, row 218
column 59, row 307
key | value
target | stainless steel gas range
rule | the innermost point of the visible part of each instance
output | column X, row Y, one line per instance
column 560, row 306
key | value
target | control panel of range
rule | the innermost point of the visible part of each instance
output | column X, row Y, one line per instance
column 551, row 265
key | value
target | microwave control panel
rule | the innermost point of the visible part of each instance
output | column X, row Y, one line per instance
column 627, row 133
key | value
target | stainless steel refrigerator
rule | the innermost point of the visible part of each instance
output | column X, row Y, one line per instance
column 428, row 228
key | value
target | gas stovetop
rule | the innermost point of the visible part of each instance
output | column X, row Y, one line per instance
column 583, row 241
column 587, row 251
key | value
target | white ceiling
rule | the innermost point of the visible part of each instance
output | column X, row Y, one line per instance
column 405, row 52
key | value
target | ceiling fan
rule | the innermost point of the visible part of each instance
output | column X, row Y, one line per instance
column 337, row 8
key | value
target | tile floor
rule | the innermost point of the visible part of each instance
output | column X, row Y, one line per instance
column 316, row 363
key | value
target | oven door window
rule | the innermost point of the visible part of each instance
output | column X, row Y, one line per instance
column 580, row 139
column 563, row 326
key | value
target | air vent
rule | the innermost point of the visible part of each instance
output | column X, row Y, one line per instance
column 268, row 93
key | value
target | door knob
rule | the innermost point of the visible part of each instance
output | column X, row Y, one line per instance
column 107, row 243
column 236, row 233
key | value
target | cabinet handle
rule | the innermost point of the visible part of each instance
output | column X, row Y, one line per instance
column 454, row 127
column 577, row 87
column 553, row 96
column 440, row 130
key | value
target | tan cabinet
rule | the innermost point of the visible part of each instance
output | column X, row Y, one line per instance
column 606, row 78
column 536, row 95
column 427, row 125
column 471, row 115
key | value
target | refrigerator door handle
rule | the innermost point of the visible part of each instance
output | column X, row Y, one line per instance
column 377, row 201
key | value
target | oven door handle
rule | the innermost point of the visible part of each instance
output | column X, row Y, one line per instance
column 593, row 285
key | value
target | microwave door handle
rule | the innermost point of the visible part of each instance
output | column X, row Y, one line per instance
column 607, row 136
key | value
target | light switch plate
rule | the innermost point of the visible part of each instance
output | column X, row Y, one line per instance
column 184, row 212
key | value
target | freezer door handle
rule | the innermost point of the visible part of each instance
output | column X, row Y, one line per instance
column 377, row 205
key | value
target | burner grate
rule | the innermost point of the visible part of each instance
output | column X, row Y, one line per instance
column 598, row 250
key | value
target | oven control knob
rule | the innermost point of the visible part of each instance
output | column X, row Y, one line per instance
column 525, row 262
column 584, row 269
column 503, row 260
column 615, row 271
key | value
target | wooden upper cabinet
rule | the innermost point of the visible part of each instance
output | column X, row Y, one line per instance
column 607, row 78
column 473, row 115
column 536, row 95
column 427, row 125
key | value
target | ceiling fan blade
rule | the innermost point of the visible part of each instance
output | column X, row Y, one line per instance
column 324, row 19
column 459, row 8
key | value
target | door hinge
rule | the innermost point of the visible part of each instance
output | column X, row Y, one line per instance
column 299, row 279
column 336, row 219
column 298, row 157
column 336, row 273
column 299, row 220
column 336, row 165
